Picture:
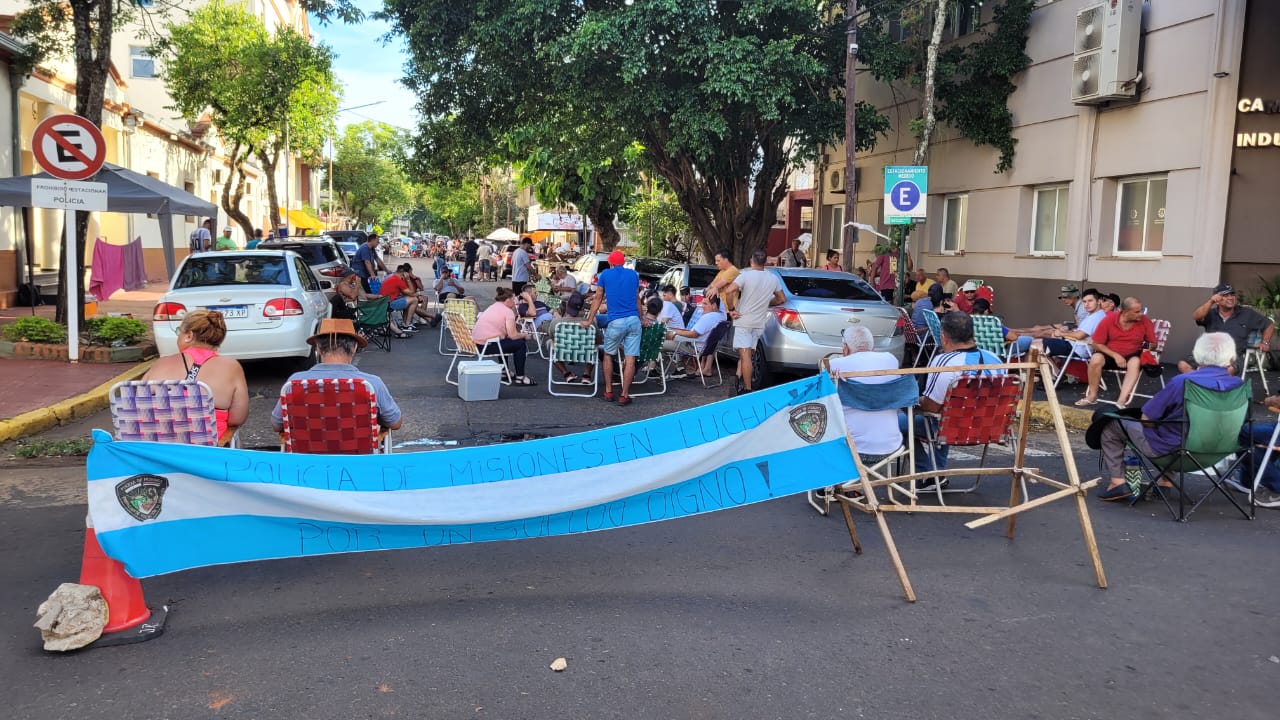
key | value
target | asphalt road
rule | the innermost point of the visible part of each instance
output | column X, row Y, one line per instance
column 757, row 612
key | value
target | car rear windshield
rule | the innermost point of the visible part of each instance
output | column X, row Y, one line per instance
column 651, row 266
column 701, row 277
column 311, row 253
column 850, row 288
column 233, row 270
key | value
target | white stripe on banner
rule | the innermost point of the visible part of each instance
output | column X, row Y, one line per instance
column 160, row 508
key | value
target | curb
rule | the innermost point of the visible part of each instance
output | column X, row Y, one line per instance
column 1073, row 418
column 67, row 411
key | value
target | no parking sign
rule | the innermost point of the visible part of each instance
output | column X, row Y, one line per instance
column 906, row 188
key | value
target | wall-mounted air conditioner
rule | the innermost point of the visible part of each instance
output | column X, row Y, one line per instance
column 835, row 180
column 1105, row 63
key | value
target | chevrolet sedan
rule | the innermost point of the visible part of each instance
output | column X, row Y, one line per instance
column 271, row 300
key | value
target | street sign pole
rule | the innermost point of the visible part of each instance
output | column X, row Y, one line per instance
column 906, row 190
column 73, row 287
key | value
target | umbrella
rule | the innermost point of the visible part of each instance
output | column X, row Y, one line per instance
column 503, row 235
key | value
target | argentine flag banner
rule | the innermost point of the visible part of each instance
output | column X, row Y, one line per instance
column 159, row 508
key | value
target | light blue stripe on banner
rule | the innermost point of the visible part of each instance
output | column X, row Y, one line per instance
column 183, row 544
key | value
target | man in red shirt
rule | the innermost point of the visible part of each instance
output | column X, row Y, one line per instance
column 404, row 297
column 1118, row 342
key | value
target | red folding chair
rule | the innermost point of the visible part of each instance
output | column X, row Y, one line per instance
column 332, row 416
column 978, row 410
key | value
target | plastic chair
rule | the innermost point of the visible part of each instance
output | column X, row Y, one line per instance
column 466, row 347
column 466, row 307
column 169, row 411
column 373, row 321
column 901, row 393
column 572, row 343
column 651, row 339
column 934, row 323
column 1210, row 424
column 1254, row 359
column 977, row 410
column 331, row 416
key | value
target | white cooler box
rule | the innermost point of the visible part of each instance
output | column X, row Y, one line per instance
column 479, row 379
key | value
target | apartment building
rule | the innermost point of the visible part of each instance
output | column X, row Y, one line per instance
column 1160, row 195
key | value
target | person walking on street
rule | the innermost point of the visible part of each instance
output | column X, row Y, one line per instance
column 619, row 289
column 521, row 261
column 471, row 253
column 792, row 256
column 757, row 290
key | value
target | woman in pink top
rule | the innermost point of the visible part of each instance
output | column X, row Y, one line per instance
column 499, row 321
column 199, row 336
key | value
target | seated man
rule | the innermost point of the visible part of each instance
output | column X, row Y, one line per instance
column 922, row 284
column 701, row 328
column 1214, row 352
column 1268, row 492
column 671, row 314
column 1222, row 312
column 875, row 433
column 448, row 286
column 336, row 344
column 562, row 283
column 964, row 299
column 399, row 288
column 958, row 348
column 1118, row 342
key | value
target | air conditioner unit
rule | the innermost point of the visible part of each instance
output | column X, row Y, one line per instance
column 835, row 180
column 1105, row 63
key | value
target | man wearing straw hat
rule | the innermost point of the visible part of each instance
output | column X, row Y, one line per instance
column 336, row 343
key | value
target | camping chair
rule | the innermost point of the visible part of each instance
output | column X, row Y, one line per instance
column 1210, row 423
column 466, row 347
column 932, row 320
column 688, row 346
column 552, row 300
column 1254, row 358
column 988, row 335
column 169, row 411
column 373, row 321
column 650, row 352
column 331, row 416
column 1150, row 358
column 572, row 343
column 909, row 334
column 978, row 410
column 466, row 307
column 1074, row 357
column 901, row 393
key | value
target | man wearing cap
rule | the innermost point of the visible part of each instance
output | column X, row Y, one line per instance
column 964, row 299
column 619, row 289
column 1070, row 296
column 336, row 343
column 224, row 241
column 1222, row 312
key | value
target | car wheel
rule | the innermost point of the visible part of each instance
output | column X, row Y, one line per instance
column 760, row 375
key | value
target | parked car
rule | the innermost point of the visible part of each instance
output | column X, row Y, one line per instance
column 819, row 305
column 694, row 277
column 321, row 253
column 359, row 237
column 504, row 260
column 349, row 249
column 589, row 266
column 271, row 300
column 651, row 270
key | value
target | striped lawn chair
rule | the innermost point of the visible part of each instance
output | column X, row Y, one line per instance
column 932, row 320
column 651, row 339
column 988, row 335
column 331, row 416
column 465, row 347
column 466, row 307
column 572, row 343
column 171, row 411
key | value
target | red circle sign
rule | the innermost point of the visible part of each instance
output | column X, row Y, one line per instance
column 69, row 147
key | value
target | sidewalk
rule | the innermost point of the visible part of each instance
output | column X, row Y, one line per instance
column 36, row 395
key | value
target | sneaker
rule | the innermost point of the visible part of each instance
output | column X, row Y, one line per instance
column 1267, row 498
column 930, row 482
column 1233, row 482
column 678, row 375
column 1117, row 493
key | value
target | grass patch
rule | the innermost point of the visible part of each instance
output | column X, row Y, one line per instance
column 53, row 448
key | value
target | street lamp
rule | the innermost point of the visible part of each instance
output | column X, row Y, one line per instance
column 341, row 110
column 863, row 227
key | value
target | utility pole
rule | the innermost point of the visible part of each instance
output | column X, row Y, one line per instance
column 850, row 238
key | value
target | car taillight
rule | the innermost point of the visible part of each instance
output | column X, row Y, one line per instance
column 335, row 271
column 282, row 307
column 169, row 311
column 789, row 319
column 901, row 327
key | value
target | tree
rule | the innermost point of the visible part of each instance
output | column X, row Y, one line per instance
column 724, row 98
column 453, row 206
column 658, row 224
column 367, row 179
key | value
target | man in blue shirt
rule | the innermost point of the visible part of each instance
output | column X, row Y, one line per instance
column 1214, row 353
column 366, row 263
column 620, row 291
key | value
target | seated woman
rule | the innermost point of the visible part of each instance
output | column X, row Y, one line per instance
column 199, row 336
column 701, row 328
column 499, row 321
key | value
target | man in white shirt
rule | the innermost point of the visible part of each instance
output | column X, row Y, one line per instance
column 521, row 261
column 1065, row 343
column 758, row 290
column 875, row 433
column 484, row 255
column 711, row 317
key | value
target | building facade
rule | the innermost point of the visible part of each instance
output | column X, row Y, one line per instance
column 1161, row 196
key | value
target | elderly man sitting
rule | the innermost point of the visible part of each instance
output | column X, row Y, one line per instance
column 875, row 433
column 336, row 343
column 1214, row 353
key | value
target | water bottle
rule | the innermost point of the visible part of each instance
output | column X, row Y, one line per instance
column 1133, row 472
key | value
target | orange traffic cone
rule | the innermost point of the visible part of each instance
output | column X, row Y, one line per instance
column 123, row 593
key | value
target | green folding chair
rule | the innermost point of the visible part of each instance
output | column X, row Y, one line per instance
column 572, row 343
column 650, row 351
column 988, row 335
column 373, row 321
column 1211, row 424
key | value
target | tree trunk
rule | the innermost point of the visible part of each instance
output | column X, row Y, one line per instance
column 270, row 161
column 233, row 189
column 602, row 215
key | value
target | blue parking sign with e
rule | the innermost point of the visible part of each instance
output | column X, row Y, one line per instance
column 906, row 189
column 904, row 196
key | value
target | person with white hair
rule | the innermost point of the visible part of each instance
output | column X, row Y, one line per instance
column 1214, row 353
column 875, row 432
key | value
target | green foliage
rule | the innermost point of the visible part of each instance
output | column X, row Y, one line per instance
column 52, row 448
column 35, row 329
column 1267, row 298
column 114, row 330
column 367, row 179
column 451, row 207
column 658, row 225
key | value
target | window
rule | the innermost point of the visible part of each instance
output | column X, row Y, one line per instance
column 955, row 217
column 1049, row 236
column 1140, row 215
column 141, row 65
column 835, row 226
column 965, row 17
column 189, row 187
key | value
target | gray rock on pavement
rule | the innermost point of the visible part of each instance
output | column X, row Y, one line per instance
column 72, row 617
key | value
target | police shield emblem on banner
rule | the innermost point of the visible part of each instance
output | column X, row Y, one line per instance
column 809, row 421
column 141, row 495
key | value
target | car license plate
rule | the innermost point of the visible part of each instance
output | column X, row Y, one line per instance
column 231, row 311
